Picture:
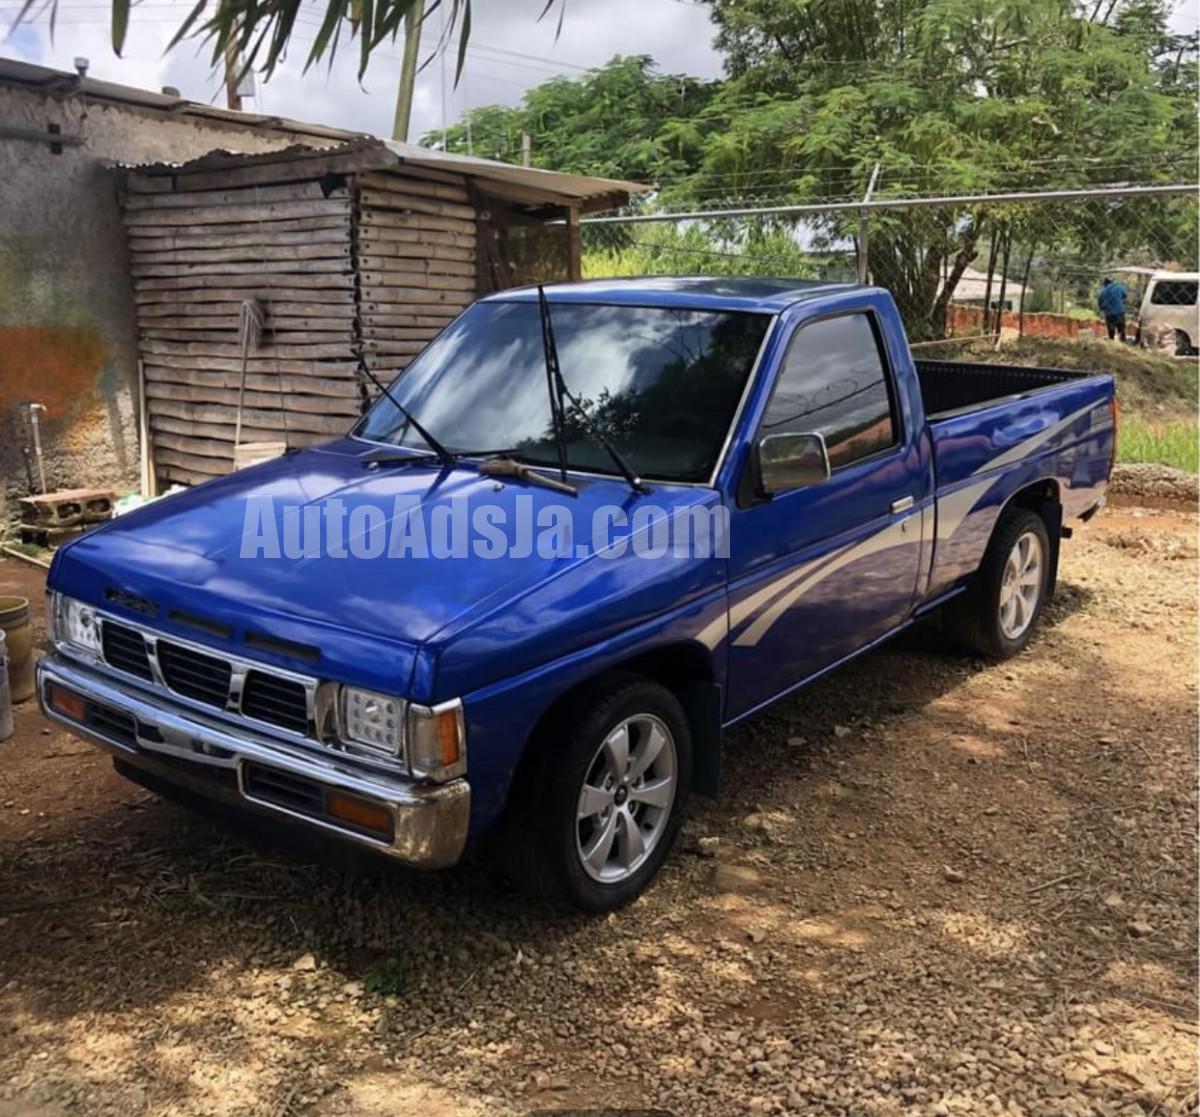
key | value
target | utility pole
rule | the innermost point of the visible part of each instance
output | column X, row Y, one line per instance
column 408, row 69
column 526, row 149
column 233, row 99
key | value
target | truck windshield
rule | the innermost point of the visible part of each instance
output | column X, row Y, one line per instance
column 662, row 384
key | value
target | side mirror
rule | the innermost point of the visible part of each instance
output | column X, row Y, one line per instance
column 792, row 461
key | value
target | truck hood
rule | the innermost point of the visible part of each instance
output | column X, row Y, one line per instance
column 207, row 553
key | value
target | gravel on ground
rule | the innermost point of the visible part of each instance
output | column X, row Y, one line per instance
column 932, row 886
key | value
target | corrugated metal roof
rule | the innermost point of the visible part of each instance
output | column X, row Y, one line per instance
column 569, row 186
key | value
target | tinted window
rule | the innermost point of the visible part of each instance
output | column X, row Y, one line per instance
column 662, row 384
column 1174, row 292
column 833, row 381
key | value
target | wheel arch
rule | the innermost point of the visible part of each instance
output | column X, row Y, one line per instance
column 1043, row 497
column 687, row 669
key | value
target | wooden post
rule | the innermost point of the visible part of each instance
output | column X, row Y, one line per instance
column 864, row 221
column 574, row 245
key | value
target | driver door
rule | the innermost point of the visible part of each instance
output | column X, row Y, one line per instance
column 820, row 570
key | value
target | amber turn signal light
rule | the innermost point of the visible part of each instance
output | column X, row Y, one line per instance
column 65, row 702
column 361, row 813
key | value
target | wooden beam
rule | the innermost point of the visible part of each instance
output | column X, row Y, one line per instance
column 574, row 246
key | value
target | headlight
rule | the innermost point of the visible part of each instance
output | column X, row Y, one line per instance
column 437, row 741
column 431, row 739
column 74, row 625
column 374, row 720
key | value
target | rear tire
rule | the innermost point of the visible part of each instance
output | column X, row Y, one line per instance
column 996, row 617
column 595, row 809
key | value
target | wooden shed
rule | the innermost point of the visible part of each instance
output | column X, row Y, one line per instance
column 355, row 256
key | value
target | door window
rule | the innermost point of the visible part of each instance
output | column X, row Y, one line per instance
column 1174, row 292
column 834, row 381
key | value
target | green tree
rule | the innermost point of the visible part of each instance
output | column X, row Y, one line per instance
column 951, row 97
column 710, row 249
column 622, row 120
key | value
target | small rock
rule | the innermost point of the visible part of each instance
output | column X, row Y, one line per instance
column 305, row 962
column 758, row 823
column 1113, row 900
column 840, row 731
column 734, row 878
column 1139, row 929
column 953, row 875
column 708, row 846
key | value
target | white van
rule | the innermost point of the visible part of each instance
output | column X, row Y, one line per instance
column 1169, row 317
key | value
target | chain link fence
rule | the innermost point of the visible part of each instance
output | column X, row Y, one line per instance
column 1025, row 263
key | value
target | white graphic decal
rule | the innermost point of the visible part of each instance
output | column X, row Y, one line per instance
column 1022, row 448
column 890, row 536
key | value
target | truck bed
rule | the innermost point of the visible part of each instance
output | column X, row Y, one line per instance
column 950, row 387
column 998, row 429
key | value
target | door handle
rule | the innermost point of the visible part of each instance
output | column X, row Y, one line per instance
column 902, row 504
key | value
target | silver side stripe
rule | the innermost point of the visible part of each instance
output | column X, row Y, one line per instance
column 890, row 536
column 750, row 605
column 1022, row 448
column 785, row 590
column 715, row 631
column 956, row 506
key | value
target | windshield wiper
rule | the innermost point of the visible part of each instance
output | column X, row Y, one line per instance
column 558, row 390
column 522, row 471
column 554, row 383
column 446, row 457
column 383, row 455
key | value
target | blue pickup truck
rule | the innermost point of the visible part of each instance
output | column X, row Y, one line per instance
column 735, row 485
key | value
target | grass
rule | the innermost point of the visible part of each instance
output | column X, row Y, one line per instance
column 32, row 550
column 390, row 977
column 1173, row 443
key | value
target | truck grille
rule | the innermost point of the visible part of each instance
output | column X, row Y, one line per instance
column 194, row 675
column 125, row 649
column 277, row 700
column 281, row 702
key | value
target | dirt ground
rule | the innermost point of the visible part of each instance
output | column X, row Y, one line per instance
column 941, row 887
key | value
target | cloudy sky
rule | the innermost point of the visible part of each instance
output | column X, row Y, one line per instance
column 510, row 51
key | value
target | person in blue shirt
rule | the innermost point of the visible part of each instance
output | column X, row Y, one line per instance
column 1111, row 302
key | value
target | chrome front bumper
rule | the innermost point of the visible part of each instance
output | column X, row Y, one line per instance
column 429, row 822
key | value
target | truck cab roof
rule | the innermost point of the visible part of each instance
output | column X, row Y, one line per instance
column 697, row 292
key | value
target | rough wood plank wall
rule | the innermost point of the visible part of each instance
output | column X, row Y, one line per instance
column 415, row 249
column 197, row 251
column 360, row 271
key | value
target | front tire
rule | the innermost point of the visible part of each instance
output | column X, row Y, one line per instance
column 595, row 812
column 996, row 617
